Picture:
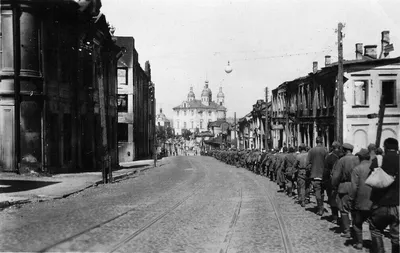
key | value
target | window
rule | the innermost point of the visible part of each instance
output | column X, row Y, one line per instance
column 184, row 125
column 123, row 103
column 177, row 114
column 361, row 92
column 177, row 124
column 209, row 113
column 191, row 124
column 184, row 113
column 192, row 112
column 220, row 103
column 122, row 76
column 389, row 91
column 122, row 134
column 201, row 124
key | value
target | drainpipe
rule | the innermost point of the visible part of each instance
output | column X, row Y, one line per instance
column 17, row 85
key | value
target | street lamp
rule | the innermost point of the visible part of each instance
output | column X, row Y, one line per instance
column 228, row 68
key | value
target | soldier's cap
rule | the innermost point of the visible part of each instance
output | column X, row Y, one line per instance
column 318, row 139
column 348, row 146
column 363, row 153
column 336, row 144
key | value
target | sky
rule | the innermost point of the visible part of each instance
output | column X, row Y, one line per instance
column 267, row 42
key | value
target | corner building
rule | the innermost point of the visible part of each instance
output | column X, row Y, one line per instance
column 57, row 87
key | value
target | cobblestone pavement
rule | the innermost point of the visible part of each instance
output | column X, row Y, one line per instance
column 190, row 204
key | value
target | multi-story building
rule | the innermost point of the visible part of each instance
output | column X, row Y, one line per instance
column 305, row 107
column 250, row 129
column 135, row 104
column 195, row 114
column 57, row 87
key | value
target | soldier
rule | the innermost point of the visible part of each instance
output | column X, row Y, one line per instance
column 316, row 161
column 360, row 194
column 330, row 161
column 279, row 169
column 341, row 180
column 263, row 163
column 288, row 170
column 302, row 173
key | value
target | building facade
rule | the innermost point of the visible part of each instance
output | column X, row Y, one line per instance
column 195, row 114
column 305, row 108
column 136, row 103
column 251, row 131
column 57, row 87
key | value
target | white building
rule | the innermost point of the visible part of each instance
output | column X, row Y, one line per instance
column 193, row 114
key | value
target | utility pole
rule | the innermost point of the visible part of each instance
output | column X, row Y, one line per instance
column 154, row 129
column 287, row 119
column 234, row 128
column 266, row 129
column 381, row 115
column 339, row 88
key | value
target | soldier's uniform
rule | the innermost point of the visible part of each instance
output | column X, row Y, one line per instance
column 303, row 182
column 341, row 180
column 330, row 161
column 316, row 160
column 288, row 171
column 280, row 175
column 271, row 167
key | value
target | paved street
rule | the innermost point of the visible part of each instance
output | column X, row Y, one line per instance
column 189, row 204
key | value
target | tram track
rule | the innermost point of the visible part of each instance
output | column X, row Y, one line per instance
column 125, row 214
column 283, row 231
column 232, row 224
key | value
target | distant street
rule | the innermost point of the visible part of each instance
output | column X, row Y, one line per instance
column 189, row 204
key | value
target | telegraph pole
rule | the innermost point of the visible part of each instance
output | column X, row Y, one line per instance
column 234, row 129
column 381, row 115
column 339, row 87
column 266, row 129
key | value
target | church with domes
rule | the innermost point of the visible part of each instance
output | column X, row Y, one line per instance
column 193, row 114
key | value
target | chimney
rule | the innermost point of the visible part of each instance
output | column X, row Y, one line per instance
column 327, row 60
column 359, row 51
column 315, row 67
column 385, row 41
column 371, row 51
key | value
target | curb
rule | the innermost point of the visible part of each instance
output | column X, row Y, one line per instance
column 5, row 204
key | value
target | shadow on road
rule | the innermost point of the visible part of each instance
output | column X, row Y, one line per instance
column 7, row 186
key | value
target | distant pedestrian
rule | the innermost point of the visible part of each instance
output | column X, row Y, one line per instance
column 385, row 207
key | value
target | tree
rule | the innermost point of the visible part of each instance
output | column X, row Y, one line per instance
column 186, row 134
column 164, row 133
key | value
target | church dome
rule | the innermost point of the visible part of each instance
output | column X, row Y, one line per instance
column 206, row 91
column 161, row 115
column 191, row 94
column 220, row 93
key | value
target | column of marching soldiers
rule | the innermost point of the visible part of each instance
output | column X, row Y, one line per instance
column 303, row 171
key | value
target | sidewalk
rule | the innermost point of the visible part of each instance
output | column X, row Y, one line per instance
column 19, row 189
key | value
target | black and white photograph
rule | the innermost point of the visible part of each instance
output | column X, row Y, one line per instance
column 197, row 126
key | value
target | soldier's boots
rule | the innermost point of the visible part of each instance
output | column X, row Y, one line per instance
column 345, row 220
